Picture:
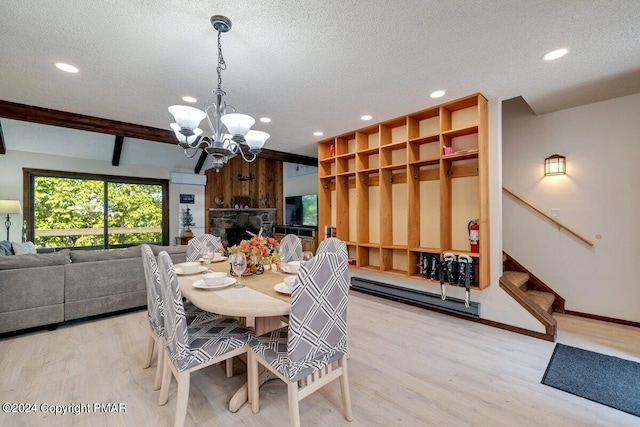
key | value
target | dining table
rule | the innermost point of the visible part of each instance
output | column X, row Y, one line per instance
column 258, row 305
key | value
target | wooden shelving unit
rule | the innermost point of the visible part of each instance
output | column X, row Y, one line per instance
column 393, row 194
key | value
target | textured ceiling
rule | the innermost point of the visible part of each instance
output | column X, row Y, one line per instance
column 314, row 65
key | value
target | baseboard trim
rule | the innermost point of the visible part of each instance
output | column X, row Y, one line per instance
column 510, row 328
column 603, row 318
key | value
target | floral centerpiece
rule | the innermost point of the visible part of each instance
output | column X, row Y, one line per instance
column 259, row 251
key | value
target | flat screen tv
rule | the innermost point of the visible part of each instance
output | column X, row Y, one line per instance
column 301, row 210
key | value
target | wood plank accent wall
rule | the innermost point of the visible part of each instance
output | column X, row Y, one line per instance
column 267, row 183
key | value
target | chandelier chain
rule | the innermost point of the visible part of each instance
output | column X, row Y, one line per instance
column 221, row 64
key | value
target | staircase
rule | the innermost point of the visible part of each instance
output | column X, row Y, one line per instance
column 530, row 292
column 544, row 299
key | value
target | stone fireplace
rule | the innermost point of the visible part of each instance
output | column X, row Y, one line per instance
column 231, row 225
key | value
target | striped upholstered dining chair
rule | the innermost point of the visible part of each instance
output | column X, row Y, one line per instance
column 155, row 314
column 197, row 246
column 189, row 348
column 334, row 245
column 290, row 248
column 303, row 354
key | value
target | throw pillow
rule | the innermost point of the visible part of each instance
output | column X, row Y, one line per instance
column 35, row 260
column 23, row 248
column 5, row 248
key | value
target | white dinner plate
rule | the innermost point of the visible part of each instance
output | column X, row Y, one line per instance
column 282, row 288
column 286, row 269
column 227, row 282
column 224, row 258
column 179, row 271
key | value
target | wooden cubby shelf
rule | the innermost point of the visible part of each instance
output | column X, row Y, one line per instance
column 470, row 154
column 425, row 162
column 425, row 139
column 393, row 194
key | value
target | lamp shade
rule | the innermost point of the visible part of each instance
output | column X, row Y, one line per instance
column 555, row 165
column 237, row 124
column 183, row 139
column 10, row 207
column 187, row 117
column 256, row 139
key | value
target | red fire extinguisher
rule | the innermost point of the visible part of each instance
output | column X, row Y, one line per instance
column 474, row 238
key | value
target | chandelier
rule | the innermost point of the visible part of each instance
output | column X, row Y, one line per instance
column 230, row 131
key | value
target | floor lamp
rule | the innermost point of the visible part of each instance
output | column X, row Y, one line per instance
column 9, row 207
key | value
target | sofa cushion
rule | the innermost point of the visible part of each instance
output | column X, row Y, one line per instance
column 5, row 248
column 92, row 279
column 23, row 248
column 171, row 250
column 105, row 254
column 35, row 260
column 31, row 287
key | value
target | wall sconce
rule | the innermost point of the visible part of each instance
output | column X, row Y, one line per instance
column 555, row 165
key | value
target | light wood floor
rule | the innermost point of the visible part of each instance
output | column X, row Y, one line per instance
column 407, row 366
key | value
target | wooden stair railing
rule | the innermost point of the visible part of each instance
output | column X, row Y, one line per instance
column 549, row 217
column 549, row 323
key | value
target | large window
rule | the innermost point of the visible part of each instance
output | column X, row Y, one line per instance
column 91, row 211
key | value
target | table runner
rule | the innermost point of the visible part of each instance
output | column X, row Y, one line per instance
column 262, row 283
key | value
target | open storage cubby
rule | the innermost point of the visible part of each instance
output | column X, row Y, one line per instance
column 393, row 193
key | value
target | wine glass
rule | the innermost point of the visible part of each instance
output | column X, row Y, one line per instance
column 207, row 257
column 306, row 256
column 238, row 264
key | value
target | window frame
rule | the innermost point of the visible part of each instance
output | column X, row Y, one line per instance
column 29, row 175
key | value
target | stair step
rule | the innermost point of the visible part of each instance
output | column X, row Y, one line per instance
column 543, row 299
column 518, row 278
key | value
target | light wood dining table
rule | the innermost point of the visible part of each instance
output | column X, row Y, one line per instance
column 258, row 305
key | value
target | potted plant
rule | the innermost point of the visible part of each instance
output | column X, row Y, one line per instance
column 187, row 221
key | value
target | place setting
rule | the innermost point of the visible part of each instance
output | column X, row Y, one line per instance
column 285, row 287
column 217, row 257
column 189, row 268
column 291, row 267
column 214, row 280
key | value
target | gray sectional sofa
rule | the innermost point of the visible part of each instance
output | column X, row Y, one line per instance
column 46, row 289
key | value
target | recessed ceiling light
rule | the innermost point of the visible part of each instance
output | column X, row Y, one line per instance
column 66, row 67
column 437, row 94
column 555, row 54
column 265, row 119
column 366, row 117
column 190, row 99
column 318, row 134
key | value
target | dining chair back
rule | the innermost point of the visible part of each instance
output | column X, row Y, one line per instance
column 154, row 300
column 290, row 248
column 192, row 347
column 303, row 354
column 197, row 246
column 335, row 245
column 155, row 313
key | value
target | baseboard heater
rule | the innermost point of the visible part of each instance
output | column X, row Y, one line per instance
column 414, row 296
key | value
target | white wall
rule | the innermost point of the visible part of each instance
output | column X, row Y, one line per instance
column 37, row 146
column 299, row 179
column 598, row 196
